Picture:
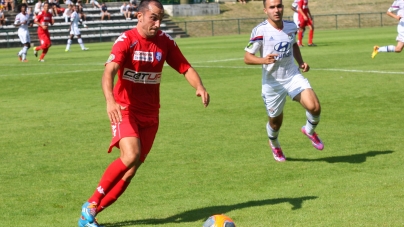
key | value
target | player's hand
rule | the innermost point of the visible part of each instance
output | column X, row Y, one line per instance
column 270, row 58
column 201, row 92
column 114, row 112
column 44, row 27
column 305, row 67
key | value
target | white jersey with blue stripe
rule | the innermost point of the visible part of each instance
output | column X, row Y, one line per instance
column 398, row 8
column 269, row 40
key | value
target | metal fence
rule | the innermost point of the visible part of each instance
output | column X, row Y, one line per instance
column 245, row 25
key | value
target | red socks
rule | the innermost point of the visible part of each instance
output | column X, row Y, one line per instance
column 112, row 175
column 112, row 195
column 299, row 38
column 311, row 34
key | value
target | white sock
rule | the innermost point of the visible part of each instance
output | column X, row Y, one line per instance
column 24, row 52
column 389, row 48
column 69, row 42
column 273, row 136
column 311, row 122
column 80, row 41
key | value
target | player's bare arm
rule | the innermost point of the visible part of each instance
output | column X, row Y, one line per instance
column 113, row 108
column 251, row 59
column 195, row 81
column 299, row 59
column 390, row 14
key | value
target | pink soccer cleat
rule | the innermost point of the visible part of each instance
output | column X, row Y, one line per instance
column 317, row 143
column 277, row 153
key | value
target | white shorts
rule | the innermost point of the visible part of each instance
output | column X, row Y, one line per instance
column 74, row 30
column 400, row 30
column 296, row 19
column 275, row 98
column 24, row 36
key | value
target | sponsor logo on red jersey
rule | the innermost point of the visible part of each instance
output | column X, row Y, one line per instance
column 141, row 77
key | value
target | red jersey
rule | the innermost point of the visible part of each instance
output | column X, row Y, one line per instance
column 44, row 18
column 141, row 64
column 304, row 5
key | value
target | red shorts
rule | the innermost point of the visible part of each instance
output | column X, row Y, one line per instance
column 304, row 23
column 135, row 125
column 45, row 39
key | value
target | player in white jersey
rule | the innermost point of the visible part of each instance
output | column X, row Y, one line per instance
column 74, row 29
column 295, row 7
column 395, row 11
column 22, row 20
column 275, row 40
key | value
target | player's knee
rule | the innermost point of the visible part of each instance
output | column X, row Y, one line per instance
column 314, row 109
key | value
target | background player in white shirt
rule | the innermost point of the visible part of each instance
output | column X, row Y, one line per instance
column 295, row 7
column 74, row 30
column 22, row 20
column 275, row 40
column 395, row 11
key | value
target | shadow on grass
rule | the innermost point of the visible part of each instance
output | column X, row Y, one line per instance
column 353, row 159
column 204, row 213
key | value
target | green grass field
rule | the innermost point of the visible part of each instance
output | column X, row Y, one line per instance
column 55, row 135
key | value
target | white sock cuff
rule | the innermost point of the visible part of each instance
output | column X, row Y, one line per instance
column 312, row 119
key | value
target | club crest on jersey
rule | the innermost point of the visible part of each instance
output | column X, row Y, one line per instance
column 143, row 56
column 110, row 58
column 159, row 55
column 291, row 36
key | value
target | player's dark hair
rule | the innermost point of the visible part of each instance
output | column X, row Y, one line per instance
column 144, row 5
column 21, row 5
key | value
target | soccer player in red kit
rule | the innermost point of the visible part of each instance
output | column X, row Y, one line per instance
column 138, row 57
column 43, row 20
column 305, row 19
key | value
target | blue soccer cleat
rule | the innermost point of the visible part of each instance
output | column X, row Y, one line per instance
column 89, row 211
column 84, row 223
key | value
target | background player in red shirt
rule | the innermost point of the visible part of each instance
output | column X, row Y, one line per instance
column 305, row 19
column 138, row 57
column 43, row 20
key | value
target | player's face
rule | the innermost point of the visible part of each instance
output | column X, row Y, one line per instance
column 23, row 9
column 274, row 10
column 46, row 7
column 150, row 20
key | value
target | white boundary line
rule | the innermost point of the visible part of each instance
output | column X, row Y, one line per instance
column 196, row 66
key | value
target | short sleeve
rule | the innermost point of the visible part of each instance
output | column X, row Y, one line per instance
column 119, row 50
column 255, row 42
column 175, row 58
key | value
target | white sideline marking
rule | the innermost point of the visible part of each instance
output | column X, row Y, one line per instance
column 198, row 66
column 336, row 70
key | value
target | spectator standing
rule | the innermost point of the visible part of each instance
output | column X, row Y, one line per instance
column 137, row 57
column 395, row 11
column 22, row 22
column 104, row 12
column 305, row 19
column 74, row 30
column 274, row 39
column 43, row 20
column 2, row 17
